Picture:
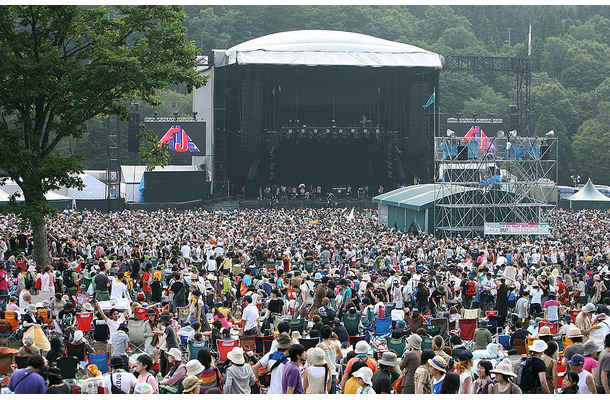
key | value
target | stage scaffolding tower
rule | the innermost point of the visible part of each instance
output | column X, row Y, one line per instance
column 492, row 179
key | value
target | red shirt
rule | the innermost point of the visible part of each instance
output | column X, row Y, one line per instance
column 145, row 287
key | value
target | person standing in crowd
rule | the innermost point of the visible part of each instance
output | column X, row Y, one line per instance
column 584, row 322
column 332, row 354
column 240, row 376
column 292, row 382
column 410, row 361
column 437, row 367
column 386, row 375
column 536, row 382
column 602, row 374
column 316, row 377
column 118, row 381
column 586, row 383
column 249, row 318
column 269, row 360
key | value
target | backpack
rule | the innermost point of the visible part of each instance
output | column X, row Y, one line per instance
column 470, row 289
column 525, row 373
column 68, row 280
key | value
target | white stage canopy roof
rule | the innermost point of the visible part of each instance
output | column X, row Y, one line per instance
column 327, row 48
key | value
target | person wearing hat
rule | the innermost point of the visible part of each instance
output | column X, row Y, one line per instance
column 584, row 322
column 317, row 377
column 504, row 375
column 545, row 334
column 576, row 347
column 143, row 367
column 482, row 336
column 410, row 361
column 362, row 354
column 92, row 381
column 269, row 361
column 168, row 341
column 29, row 318
column 536, row 299
column 333, row 354
column 143, row 388
column 590, row 353
column 364, row 375
column 151, row 331
column 568, row 324
column 177, row 369
column 239, row 376
column 586, row 383
column 118, row 381
column 56, row 383
column 190, row 385
column 437, row 367
column 463, row 367
column 28, row 349
column 386, row 374
column 539, row 383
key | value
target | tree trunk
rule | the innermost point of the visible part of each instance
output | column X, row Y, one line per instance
column 41, row 245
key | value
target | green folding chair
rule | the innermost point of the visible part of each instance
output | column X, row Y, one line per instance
column 351, row 323
column 297, row 325
column 426, row 343
column 432, row 330
column 398, row 345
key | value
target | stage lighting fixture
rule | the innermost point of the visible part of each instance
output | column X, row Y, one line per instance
column 341, row 131
column 377, row 132
column 512, row 134
column 500, row 134
column 290, row 131
column 366, row 131
column 450, row 133
column 303, row 131
column 327, row 131
column 353, row 131
column 315, row 130
column 550, row 133
column 333, row 123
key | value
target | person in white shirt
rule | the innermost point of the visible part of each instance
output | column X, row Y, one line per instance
column 119, row 288
column 186, row 251
column 249, row 318
column 118, row 380
column 535, row 303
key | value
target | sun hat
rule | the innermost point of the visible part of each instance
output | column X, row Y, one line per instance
column 577, row 359
column 317, row 276
column 362, row 347
column 284, row 341
column 87, row 307
column 31, row 308
column 590, row 347
column 78, row 336
column 296, row 335
column 589, row 308
column 143, row 388
column 414, row 341
column 483, row 323
column 439, row 363
column 401, row 325
column 117, row 361
column 236, row 356
column 165, row 319
column 365, row 373
column 539, row 346
column 190, row 383
column 174, row 352
column 504, row 369
column 194, row 367
column 545, row 331
column 574, row 333
column 315, row 356
column 389, row 359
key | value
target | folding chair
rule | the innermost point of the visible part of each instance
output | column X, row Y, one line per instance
column 574, row 314
column 443, row 324
column 140, row 313
column 471, row 314
column 21, row 361
column 309, row 343
column 76, row 350
column 552, row 326
column 504, row 340
column 267, row 342
column 559, row 342
column 101, row 332
column 5, row 329
column 351, row 323
column 426, row 343
column 183, row 313
column 6, row 361
column 370, row 316
column 519, row 345
column 488, row 313
column 84, row 321
column 566, row 341
column 224, row 347
column 383, row 326
column 67, row 366
column 432, row 330
column 259, row 344
column 13, row 321
column 102, row 360
column 467, row 328
column 492, row 325
column 388, row 309
column 136, row 335
column 355, row 339
column 297, row 325
column 398, row 345
column 44, row 314
column 194, row 347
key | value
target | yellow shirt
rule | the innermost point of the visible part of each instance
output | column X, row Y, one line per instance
column 351, row 386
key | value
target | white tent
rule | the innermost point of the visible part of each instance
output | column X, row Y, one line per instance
column 54, row 199
column 94, row 189
column 325, row 47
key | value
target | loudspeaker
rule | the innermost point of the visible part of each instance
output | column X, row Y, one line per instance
column 514, row 122
column 462, row 152
column 253, row 169
column 133, row 143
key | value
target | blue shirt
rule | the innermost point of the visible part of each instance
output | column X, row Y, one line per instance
column 436, row 388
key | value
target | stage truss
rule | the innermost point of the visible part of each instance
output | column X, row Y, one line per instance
column 482, row 180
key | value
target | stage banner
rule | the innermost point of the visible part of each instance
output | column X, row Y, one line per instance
column 517, row 228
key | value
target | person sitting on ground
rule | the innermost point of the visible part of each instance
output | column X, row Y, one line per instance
column 191, row 385
column 93, row 381
column 482, row 336
column 177, row 369
column 28, row 348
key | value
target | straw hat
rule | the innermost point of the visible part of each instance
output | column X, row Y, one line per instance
column 365, row 373
column 296, row 335
column 194, row 367
column 414, row 341
column 174, row 352
column 539, row 346
column 574, row 333
column 87, row 307
column 190, row 383
column 389, row 359
column 439, row 363
column 504, row 369
column 545, row 331
column 236, row 356
column 362, row 347
column 316, row 356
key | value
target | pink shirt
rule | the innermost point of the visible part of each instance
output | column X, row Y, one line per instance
column 150, row 380
column 589, row 364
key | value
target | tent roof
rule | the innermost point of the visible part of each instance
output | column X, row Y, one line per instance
column 326, row 47
column 419, row 197
column 589, row 193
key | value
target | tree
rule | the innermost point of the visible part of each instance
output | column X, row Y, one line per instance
column 64, row 65
column 591, row 147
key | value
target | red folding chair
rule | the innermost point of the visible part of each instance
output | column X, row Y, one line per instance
column 574, row 314
column 467, row 328
column 84, row 321
column 494, row 313
column 552, row 326
column 140, row 313
column 224, row 347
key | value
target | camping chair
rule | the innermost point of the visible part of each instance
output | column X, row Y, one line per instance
column 21, row 361
column 552, row 326
column 44, row 314
column 426, row 343
column 297, row 325
column 492, row 325
column 467, row 328
column 432, row 330
column 443, row 324
column 383, row 326
column 561, row 370
column 388, row 309
column 309, row 266
column 67, row 366
column 355, row 339
column 351, row 323
column 309, row 343
column 5, row 330
column 504, row 340
column 488, row 313
column 559, row 342
column 77, row 351
column 136, row 335
column 6, row 360
column 83, row 323
column 370, row 317
column 398, row 345
column 267, row 342
column 102, row 360
column 224, row 347
column 566, row 341
column 471, row 314
column 194, row 347
column 182, row 314
column 13, row 321
column 101, row 332
column 140, row 313
column 519, row 345
column 259, row 343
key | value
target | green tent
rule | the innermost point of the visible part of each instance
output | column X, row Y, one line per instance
column 589, row 198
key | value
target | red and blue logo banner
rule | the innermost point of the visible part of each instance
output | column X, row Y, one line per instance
column 477, row 134
column 179, row 140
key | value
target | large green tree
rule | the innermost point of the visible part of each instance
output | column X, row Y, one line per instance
column 64, row 65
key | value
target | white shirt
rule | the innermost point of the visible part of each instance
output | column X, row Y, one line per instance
column 250, row 316
column 186, row 251
column 536, row 296
column 275, row 387
column 118, row 289
column 121, row 379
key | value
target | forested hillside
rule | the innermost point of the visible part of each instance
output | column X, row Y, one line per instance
column 570, row 90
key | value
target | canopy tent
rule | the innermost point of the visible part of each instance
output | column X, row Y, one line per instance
column 588, row 197
column 94, row 189
column 324, row 48
column 54, row 200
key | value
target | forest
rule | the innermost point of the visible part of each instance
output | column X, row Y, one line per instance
column 570, row 58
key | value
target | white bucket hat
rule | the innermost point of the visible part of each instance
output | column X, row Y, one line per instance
column 538, row 346
column 365, row 373
column 236, row 356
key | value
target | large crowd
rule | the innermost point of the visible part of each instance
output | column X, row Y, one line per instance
column 301, row 301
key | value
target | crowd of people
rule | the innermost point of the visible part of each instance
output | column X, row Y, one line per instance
column 303, row 301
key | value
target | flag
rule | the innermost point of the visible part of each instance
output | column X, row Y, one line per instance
column 431, row 99
column 529, row 42
column 350, row 217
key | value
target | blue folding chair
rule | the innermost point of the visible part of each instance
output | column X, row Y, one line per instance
column 504, row 341
column 101, row 360
column 383, row 326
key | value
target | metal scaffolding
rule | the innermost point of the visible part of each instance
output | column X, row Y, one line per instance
column 113, row 157
column 492, row 179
